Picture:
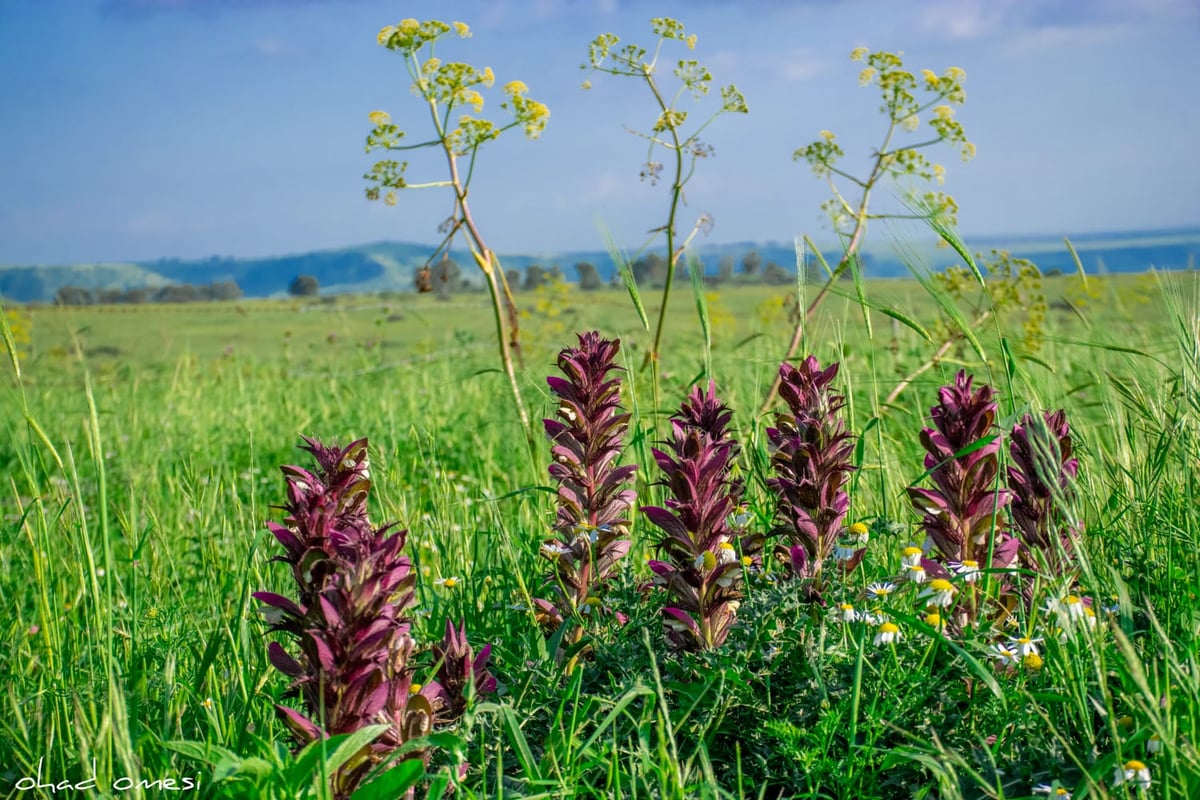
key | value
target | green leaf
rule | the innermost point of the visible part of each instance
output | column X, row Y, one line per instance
column 516, row 737
column 393, row 783
column 336, row 750
column 203, row 752
column 626, row 273
column 696, row 273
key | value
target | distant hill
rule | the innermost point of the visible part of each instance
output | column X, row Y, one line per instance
column 391, row 265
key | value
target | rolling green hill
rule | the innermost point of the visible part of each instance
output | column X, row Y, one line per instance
column 382, row 266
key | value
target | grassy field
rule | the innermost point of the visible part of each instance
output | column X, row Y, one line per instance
column 141, row 446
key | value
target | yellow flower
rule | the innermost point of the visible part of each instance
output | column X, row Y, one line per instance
column 866, row 76
column 747, row 561
column 515, row 87
column 1032, row 661
column 586, row 85
column 939, row 172
column 943, row 112
column 415, row 688
column 968, row 151
column 930, row 77
column 710, row 560
column 911, row 122
column 858, row 53
column 473, row 98
column 385, row 34
column 828, row 136
column 379, row 117
column 390, row 198
column 691, row 42
column 956, row 74
column 409, row 26
column 462, row 29
column 487, row 77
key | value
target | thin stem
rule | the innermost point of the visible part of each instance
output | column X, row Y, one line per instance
column 932, row 362
column 852, row 248
column 652, row 357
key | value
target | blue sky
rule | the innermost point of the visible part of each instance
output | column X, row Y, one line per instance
column 139, row 129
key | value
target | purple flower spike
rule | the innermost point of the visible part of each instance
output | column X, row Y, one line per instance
column 458, row 669
column 811, row 451
column 962, row 458
column 594, row 497
column 355, row 589
column 1041, row 478
column 704, row 571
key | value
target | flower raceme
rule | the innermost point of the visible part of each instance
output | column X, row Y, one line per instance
column 702, row 571
column 962, row 458
column 1041, row 478
column 811, row 452
column 354, row 590
column 594, row 498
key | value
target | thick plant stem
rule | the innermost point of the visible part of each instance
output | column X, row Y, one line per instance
column 505, row 355
column 502, row 301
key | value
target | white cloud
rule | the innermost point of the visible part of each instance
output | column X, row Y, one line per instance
column 1052, row 37
column 802, row 65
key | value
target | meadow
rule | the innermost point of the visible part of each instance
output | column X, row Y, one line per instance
column 141, row 449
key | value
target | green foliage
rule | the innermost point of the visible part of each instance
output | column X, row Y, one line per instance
column 1014, row 293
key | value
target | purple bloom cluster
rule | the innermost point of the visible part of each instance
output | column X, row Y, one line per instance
column 1041, row 478
column 354, row 590
column 811, row 451
column 962, row 457
column 458, row 669
column 702, row 571
column 594, row 498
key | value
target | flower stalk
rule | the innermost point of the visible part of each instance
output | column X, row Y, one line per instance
column 594, row 498
column 702, row 571
column 811, row 452
column 1041, row 479
column 354, row 589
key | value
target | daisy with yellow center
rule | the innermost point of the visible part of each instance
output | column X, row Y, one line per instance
column 911, row 556
column 940, row 593
column 859, row 534
column 880, row 591
column 447, row 583
column 888, row 633
column 844, row 612
column 915, row 573
column 967, row 569
column 1135, row 772
column 725, row 553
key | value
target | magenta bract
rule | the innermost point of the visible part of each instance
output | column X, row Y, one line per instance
column 811, row 452
column 703, row 571
column 594, row 497
column 960, row 513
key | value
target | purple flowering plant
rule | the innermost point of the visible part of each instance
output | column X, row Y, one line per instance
column 1041, row 479
column 811, row 457
column 592, row 523
column 960, row 514
column 350, row 620
column 702, row 570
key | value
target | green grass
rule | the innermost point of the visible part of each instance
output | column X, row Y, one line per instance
column 140, row 452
